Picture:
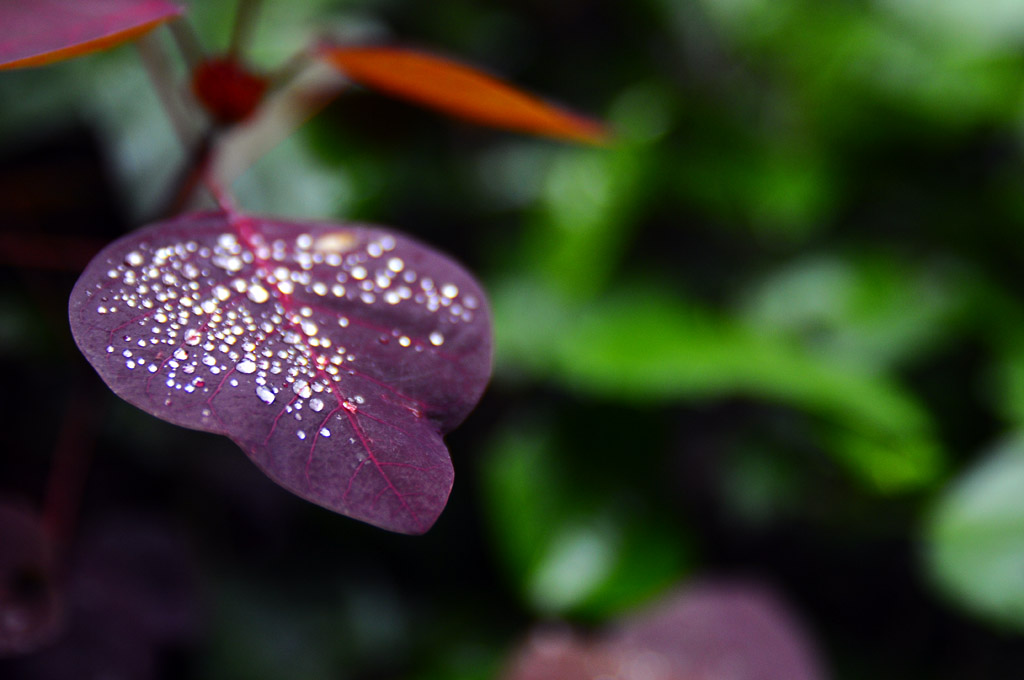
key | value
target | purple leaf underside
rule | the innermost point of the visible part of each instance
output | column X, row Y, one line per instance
column 34, row 32
column 335, row 355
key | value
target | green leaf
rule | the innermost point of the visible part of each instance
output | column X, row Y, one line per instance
column 587, row 548
column 641, row 345
column 975, row 537
column 589, row 205
column 870, row 311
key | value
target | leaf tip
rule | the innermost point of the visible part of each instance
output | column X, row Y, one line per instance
column 458, row 90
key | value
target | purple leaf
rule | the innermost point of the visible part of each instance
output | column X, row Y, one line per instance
column 335, row 355
column 37, row 32
column 30, row 611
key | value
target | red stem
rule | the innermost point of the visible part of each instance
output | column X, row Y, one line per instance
column 69, row 468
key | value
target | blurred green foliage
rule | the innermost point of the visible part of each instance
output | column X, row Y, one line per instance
column 975, row 538
column 797, row 272
column 573, row 540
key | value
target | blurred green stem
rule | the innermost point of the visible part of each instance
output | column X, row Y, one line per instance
column 154, row 59
column 245, row 19
column 187, row 41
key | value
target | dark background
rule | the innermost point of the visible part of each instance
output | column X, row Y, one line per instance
column 774, row 331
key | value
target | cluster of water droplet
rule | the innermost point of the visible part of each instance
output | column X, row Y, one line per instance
column 205, row 318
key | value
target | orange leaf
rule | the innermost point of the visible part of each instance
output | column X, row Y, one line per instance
column 459, row 90
column 38, row 32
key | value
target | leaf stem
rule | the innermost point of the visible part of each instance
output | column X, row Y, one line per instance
column 191, row 179
column 187, row 41
column 154, row 59
column 196, row 145
column 287, row 72
column 245, row 19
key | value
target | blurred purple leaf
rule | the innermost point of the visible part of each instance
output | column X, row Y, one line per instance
column 560, row 655
column 715, row 631
column 131, row 594
column 726, row 631
column 137, row 570
column 335, row 355
column 37, row 32
column 30, row 609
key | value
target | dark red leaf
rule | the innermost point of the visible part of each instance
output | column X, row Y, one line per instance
column 37, row 32
column 30, row 611
column 459, row 90
column 335, row 355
